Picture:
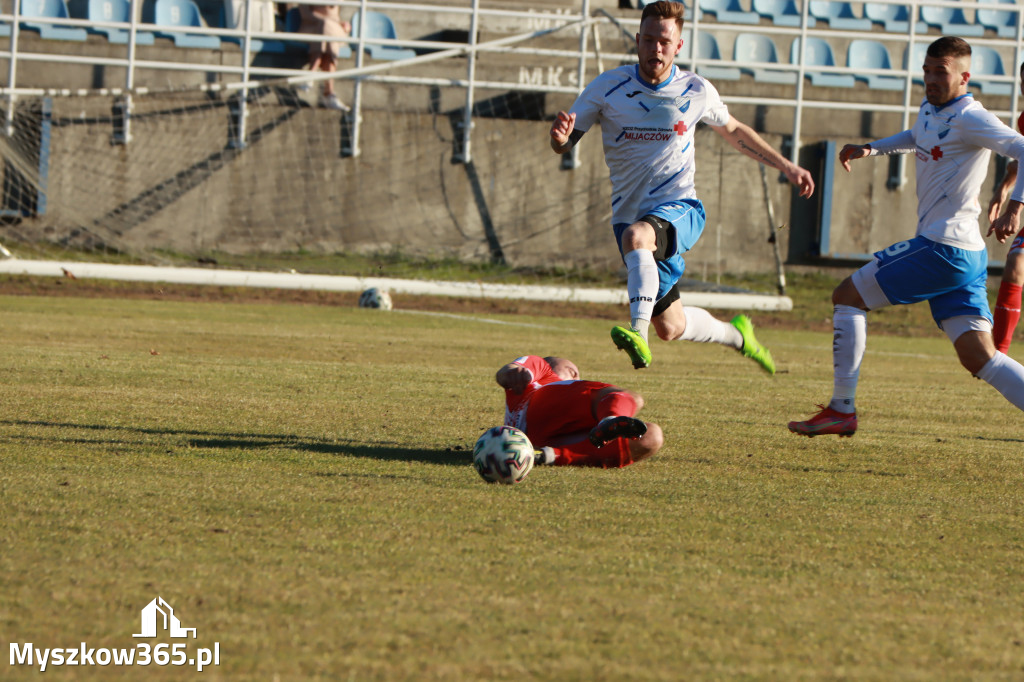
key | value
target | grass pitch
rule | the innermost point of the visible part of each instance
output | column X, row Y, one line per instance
column 295, row 482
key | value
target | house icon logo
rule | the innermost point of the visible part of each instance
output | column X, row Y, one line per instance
column 159, row 612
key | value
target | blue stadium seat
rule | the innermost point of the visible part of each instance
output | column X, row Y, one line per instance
column 1004, row 23
column 781, row 12
column 871, row 54
column 115, row 10
column 183, row 14
column 729, row 12
column 950, row 21
column 292, row 21
column 759, row 48
column 894, row 18
column 839, row 15
column 819, row 53
column 50, row 9
column 707, row 49
column 985, row 61
column 379, row 25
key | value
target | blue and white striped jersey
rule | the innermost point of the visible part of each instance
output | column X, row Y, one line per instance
column 648, row 134
column 952, row 144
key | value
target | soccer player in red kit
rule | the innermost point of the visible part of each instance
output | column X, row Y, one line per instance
column 1007, row 310
column 573, row 422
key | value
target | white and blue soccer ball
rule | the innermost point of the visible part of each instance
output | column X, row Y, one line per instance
column 503, row 454
column 376, row 298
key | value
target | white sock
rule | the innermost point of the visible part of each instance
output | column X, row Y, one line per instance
column 642, row 287
column 1006, row 375
column 849, row 339
column 703, row 328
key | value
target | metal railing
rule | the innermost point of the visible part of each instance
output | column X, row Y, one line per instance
column 240, row 77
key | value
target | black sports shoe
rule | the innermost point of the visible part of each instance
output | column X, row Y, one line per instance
column 610, row 428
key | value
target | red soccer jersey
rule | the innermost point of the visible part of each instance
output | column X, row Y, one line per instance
column 515, row 403
column 1020, row 123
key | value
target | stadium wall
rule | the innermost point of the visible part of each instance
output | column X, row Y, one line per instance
column 403, row 191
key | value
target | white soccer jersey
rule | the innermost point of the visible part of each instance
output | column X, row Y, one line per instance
column 648, row 134
column 952, row 143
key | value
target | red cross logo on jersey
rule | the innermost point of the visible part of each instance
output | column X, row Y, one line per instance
column 680, row 128
column 936, row 153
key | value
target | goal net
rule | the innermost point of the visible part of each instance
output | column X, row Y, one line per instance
column 179, row 176
column 256, row 176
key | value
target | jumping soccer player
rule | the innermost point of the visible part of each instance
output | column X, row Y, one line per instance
column 573, row 422
column 648, row 114
column 945, row 263
column 1007, row 312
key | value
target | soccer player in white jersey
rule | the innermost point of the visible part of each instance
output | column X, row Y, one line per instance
column 945, row 263
column 648, row 114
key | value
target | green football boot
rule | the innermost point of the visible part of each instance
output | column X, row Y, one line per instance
column 751, row 347
column 630, row 341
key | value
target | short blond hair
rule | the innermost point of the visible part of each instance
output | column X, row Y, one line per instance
column 665, row 9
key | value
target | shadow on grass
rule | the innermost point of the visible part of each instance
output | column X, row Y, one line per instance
column 1000, row 440
column 452, row 456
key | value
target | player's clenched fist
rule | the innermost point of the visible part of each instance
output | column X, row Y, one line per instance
column 560, row 130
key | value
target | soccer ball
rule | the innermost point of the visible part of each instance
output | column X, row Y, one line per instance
column 375, row 298
column 503, row 454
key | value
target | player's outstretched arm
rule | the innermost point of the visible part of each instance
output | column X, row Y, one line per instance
column 746, row 140
column 852, row 152
column 1002, row 190
column 561, row 129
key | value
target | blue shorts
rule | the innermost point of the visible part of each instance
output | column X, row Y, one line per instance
column 686, row 218
column 951, row 279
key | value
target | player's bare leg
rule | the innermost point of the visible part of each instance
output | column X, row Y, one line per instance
column 689, row 323
column 648, row 444
column 978, row 355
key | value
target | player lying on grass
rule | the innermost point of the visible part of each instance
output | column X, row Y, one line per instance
column 946, row 262
column 648, row 113
column 573, row 422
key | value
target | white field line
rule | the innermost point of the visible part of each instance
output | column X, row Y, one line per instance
column 471, row 318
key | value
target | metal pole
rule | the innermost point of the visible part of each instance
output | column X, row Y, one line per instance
column 798, row 114
column 357, row 90
column 773, row 230
column 12, row 69
column 573, row 160
column 237, row 141
column 467, row 122
column 899, row 178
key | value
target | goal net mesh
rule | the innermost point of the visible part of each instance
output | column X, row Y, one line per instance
column 182, row 189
